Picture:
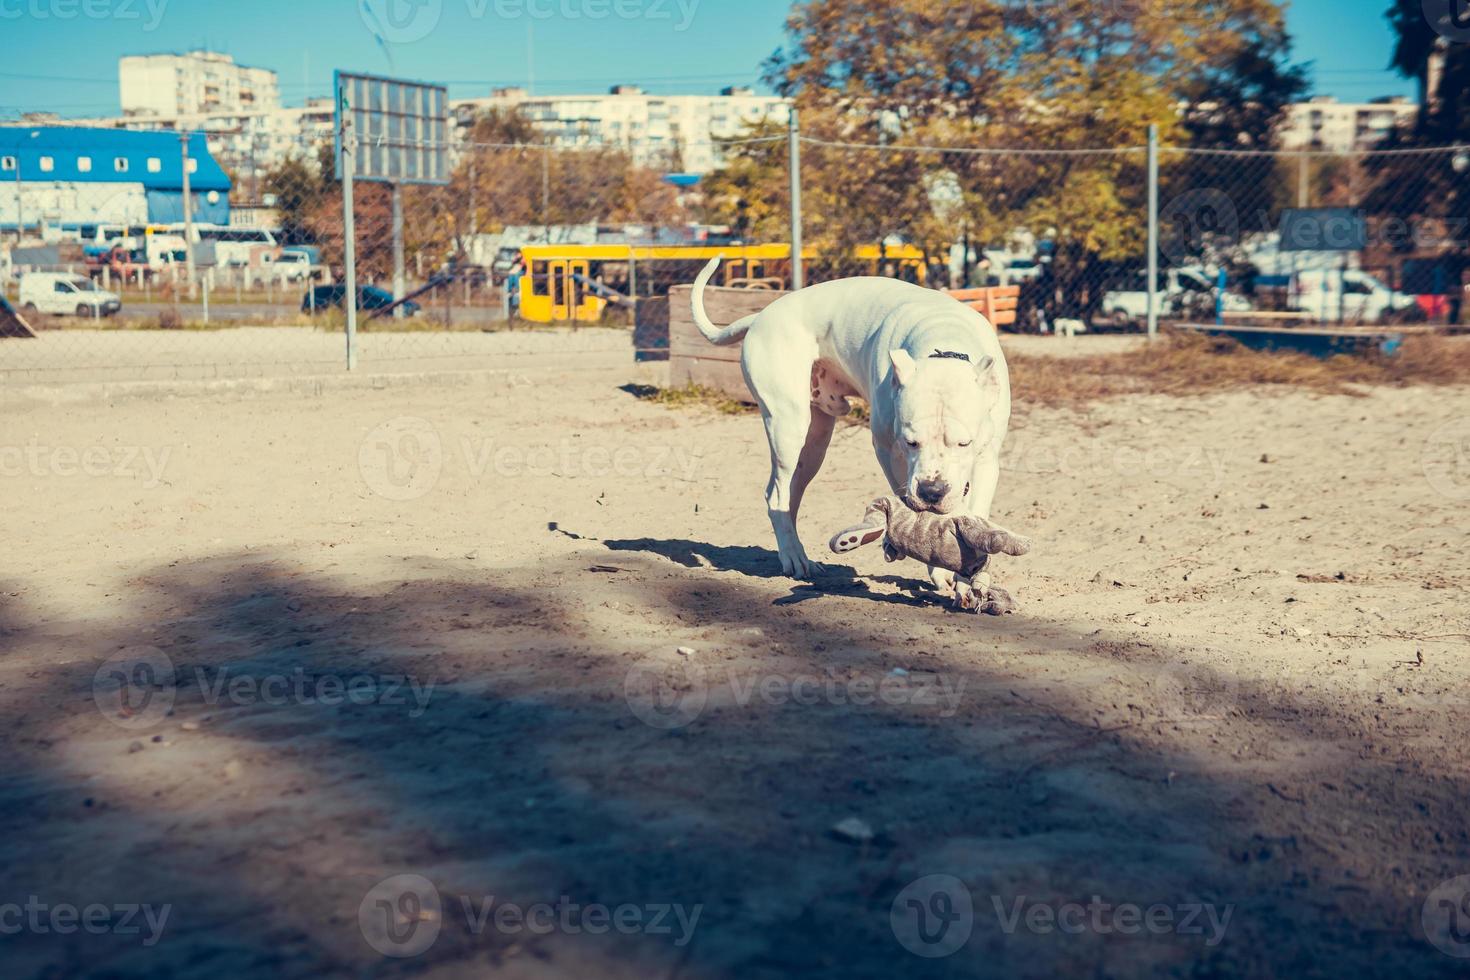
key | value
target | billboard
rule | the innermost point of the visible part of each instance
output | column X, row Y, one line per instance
column 401, row 128
column 1323, row 230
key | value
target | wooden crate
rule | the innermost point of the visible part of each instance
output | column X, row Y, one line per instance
column 996, row 303
column 694, row 360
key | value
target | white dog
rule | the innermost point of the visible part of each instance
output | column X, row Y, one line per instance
column 931, row 370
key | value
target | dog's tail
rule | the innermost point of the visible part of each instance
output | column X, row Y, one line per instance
column 715, row 335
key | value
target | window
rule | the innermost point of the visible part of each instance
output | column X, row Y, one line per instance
column 193, row 166
column 120, row 165
column 62, row 287
column 154, row 165
column 7, row 163
column 84, row 165
column 48, row 164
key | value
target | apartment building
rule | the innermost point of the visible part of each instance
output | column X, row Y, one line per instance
column 193, row 83
column 653, row 127
column 1323, row 123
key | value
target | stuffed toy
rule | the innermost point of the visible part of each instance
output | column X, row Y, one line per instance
column 961, row 543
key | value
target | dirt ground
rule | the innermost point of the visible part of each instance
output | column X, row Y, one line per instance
column 525, row 641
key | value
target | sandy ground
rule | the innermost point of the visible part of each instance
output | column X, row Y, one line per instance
column 73, row 355
column 265, row 654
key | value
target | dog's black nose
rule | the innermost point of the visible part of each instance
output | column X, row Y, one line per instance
column 932, row 491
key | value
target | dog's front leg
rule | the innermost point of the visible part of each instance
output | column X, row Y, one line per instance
column 987, row 596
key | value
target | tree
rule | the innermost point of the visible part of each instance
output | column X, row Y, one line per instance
column 298, row 191
column 1025, row 75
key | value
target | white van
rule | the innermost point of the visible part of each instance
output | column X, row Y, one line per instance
column 61, row 293
column 240, row 247
column 1349, row 294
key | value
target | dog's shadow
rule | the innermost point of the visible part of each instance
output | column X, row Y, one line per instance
column 759, row 562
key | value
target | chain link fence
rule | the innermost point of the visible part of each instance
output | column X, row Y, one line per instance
column 532, row 236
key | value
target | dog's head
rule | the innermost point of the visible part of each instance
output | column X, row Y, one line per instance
column 941, row 421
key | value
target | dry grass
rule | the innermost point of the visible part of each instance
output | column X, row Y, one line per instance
column 1182, row 365
column 1188, row 364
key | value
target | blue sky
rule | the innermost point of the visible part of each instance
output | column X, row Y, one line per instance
column 61, row 55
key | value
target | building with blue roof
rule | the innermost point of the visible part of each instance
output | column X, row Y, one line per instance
column 70, row 175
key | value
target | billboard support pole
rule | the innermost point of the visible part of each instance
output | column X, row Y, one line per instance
column 349, row 227
column 188, row 217
column 399, row 288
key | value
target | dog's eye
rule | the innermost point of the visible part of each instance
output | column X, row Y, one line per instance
column 966, row 444
column 913, row 444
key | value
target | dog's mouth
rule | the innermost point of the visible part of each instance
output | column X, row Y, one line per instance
column 922, row 507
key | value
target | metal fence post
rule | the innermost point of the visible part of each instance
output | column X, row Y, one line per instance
column 349, row 230
column 1151, row 288
column 793, row 129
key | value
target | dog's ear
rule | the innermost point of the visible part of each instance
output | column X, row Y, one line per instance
column 982, row 368
column 903, row 367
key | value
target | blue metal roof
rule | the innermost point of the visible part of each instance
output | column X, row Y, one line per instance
column 65, row 145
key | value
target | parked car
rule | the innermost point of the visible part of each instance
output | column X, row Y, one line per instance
column 368, row 298
column 60, row 293
column 295, row 264
column 1187, row 291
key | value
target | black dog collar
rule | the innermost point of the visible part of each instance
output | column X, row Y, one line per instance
column 955, row 355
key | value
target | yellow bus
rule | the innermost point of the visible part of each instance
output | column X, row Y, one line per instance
column 576, row 283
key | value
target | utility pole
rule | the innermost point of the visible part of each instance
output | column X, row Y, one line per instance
column 188, row 217
column 1303, row 187
column 793, row 132
column 1152, row 286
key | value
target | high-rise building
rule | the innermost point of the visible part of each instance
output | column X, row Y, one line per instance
column 197, row 82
